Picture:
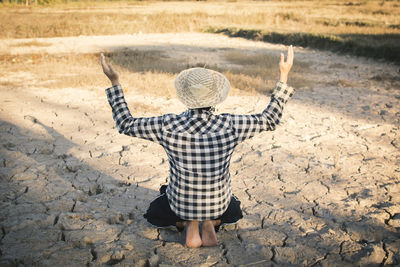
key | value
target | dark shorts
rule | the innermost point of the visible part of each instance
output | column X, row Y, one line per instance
column 160, row 214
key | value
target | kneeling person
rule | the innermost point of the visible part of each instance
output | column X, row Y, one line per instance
column 199, row 145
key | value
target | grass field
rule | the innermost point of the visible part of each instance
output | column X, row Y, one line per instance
column 363, row 28
column 150, row 72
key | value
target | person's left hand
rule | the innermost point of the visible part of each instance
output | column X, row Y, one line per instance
column 109, row 71
column 285, row 66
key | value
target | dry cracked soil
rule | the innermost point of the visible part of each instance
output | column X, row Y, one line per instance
column 321, row 190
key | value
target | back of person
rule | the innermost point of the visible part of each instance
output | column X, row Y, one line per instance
column 199, row 146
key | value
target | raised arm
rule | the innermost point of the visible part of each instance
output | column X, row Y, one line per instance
column 247, row 126
column 109, row 71
column 146, row 128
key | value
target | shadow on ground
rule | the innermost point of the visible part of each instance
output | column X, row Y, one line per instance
column 57, row 209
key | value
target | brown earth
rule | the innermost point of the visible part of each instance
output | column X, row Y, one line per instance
column 321, row 190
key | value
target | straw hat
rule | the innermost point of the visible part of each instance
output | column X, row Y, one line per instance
column 200, row 87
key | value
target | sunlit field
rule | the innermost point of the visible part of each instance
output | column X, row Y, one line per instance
column 366, row 28
column 150, row 72
column 94, row 18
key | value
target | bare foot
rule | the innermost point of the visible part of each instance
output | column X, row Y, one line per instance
column 208, row 235
column 193, row 239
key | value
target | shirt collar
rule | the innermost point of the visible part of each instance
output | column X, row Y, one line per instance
column 199, row 111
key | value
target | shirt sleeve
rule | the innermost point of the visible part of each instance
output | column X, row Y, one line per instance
column 246, row 126
column 146, row 128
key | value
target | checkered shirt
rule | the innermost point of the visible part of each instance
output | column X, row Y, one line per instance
column 199, row 146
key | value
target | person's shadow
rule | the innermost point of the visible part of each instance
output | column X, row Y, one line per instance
column 61, row 203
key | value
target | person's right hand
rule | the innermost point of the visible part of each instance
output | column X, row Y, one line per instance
column 109, row 71
column 285, row 66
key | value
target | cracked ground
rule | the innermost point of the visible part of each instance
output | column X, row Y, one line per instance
column 321, row 190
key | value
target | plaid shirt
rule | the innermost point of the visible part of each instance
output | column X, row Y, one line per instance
column 199, row 146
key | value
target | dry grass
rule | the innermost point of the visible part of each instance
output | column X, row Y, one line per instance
column 341, row 83
column 148, row 72
column 93, row 18
column 366, row 22
column 391, row 82
column 83, row 70
column 259, row 71
column 53, row 71
column 362, row 28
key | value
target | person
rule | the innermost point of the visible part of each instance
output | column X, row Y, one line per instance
column 199, row 145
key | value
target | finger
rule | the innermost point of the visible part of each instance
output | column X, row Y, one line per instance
column 103, row 63
column 290, row 55
column 102, row 59
column 111, row 68
column 282, row 58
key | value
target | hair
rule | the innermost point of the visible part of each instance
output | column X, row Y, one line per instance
column 204, row 109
